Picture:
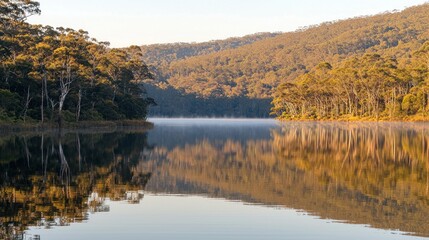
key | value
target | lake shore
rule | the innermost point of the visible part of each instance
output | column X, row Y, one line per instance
column 408, row 119
column 84, row 126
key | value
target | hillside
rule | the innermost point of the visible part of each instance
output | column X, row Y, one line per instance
column 173, row 101
column 163, row 54
column 254, row 71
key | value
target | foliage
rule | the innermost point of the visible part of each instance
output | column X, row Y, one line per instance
column 175, row 100
column 255, row 70
column 371, row 87
column 61, row 74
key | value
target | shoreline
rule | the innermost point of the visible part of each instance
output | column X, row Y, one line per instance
column 363, row 120
column 84, row 126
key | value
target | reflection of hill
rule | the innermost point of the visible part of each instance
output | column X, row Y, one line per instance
column 373, row 174
column 181, row 132
column 50, row 180
column 364, row 173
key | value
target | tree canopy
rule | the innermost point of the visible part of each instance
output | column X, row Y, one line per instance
column 49, row 74
column 255, row 70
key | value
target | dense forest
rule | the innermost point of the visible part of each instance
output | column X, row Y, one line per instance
column 370, row 67
column 368, row 87
column 56, row 75
column 175, row 101
column 160, row 55
column 254, row 71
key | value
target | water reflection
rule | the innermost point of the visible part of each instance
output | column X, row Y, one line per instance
column 54, row 180
column 374, row 174
column 365, row 173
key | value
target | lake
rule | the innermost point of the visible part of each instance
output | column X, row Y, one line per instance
column 218, row 179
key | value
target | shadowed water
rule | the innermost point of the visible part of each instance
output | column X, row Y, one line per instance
column 219, row 179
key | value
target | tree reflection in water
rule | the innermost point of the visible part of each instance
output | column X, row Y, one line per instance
column 54, row 180
column 368, row 173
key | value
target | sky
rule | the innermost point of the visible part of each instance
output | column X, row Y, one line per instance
column 137, row 22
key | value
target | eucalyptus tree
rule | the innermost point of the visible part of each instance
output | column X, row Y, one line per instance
column 65, row 73
column 14, row 31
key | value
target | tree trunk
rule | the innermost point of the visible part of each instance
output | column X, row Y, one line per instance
column 64, row 90
column 42, row 110
column 114, row 95
column 41, row 106
column 27, row 103
column 79, row 105
column 47, row 94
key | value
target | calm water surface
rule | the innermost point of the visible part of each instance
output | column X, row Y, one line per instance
column 218, row 179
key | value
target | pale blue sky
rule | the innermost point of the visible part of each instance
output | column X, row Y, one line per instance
column 127, row 22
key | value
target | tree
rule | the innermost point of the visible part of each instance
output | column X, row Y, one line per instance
column 64, row 72
column 17, row 10
column 41, row 59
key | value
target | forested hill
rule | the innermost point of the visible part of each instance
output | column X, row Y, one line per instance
column 250, row 74
column 366, row 67
column 173, row 101
column 161, row 54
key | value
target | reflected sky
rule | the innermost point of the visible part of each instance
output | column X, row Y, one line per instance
column 197, row 217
